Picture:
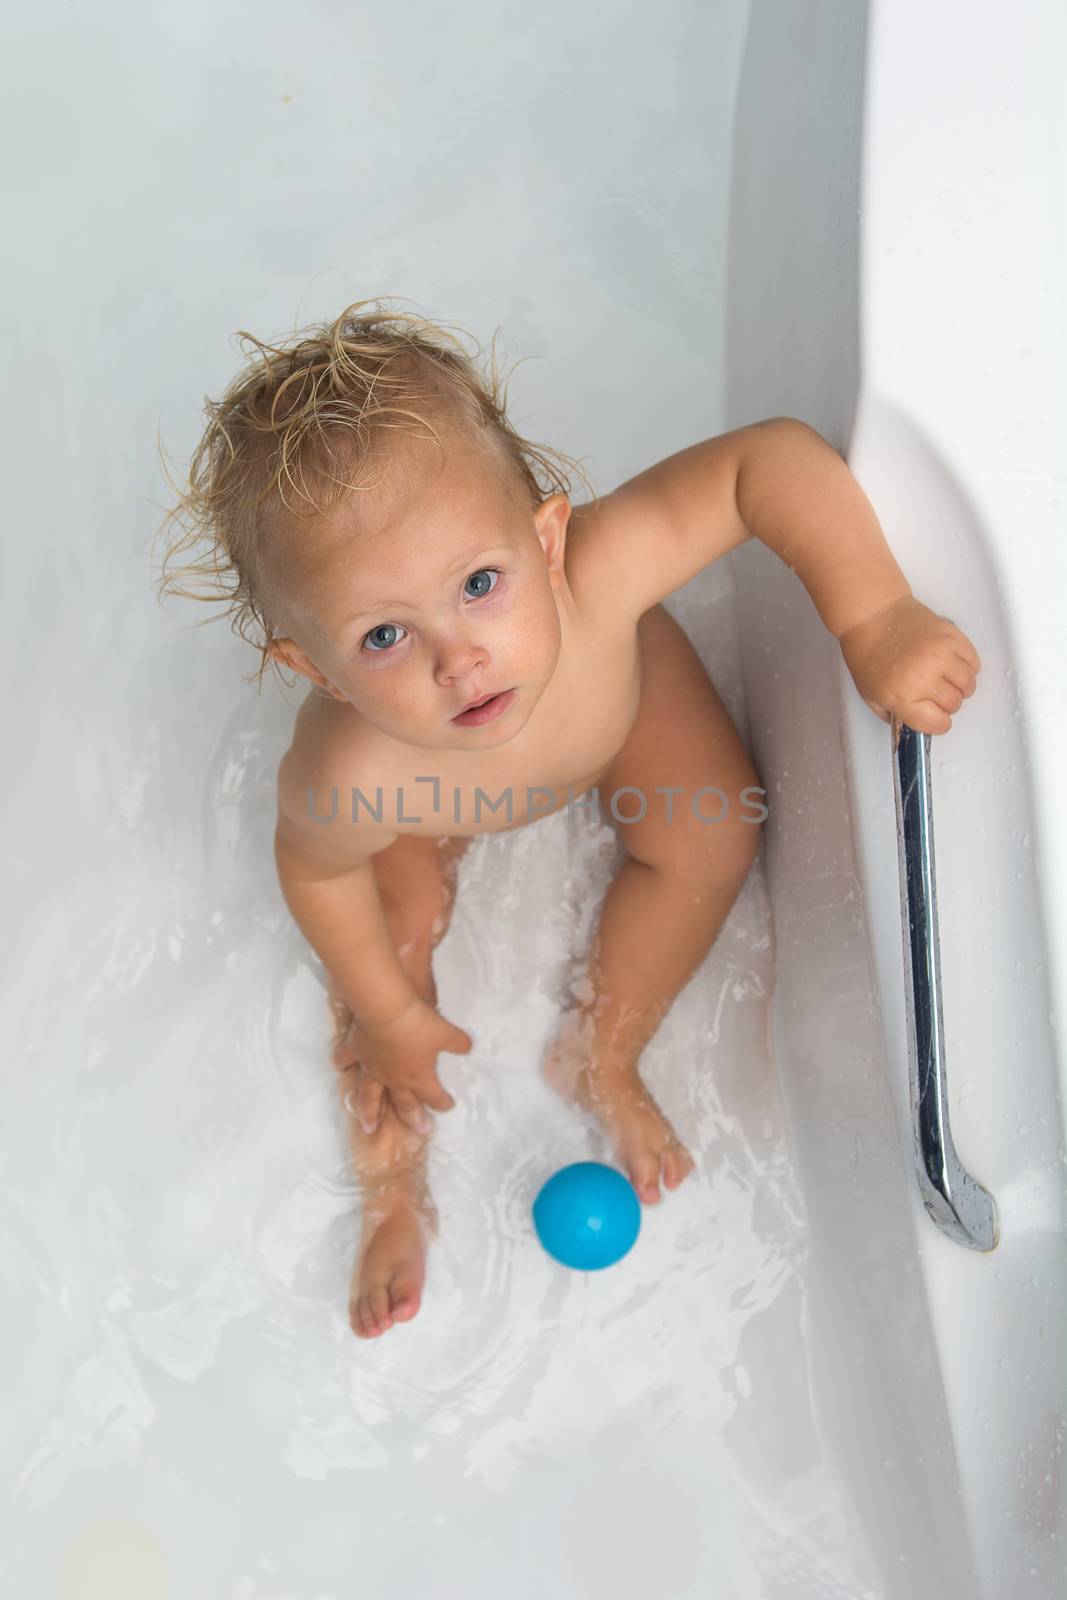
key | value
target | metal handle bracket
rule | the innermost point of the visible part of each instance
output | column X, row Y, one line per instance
column 956, row 1201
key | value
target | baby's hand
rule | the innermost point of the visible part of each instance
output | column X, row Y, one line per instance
column 908, row 662
column 400, row 1057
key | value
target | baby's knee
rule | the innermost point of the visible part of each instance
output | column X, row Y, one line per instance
column 718, row 851
column 733, row 848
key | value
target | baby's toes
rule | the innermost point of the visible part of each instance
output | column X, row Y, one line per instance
column 365, row 1322
column 378, row 1301
column 644, row 1175
column 357, row 1316
column 677, row 1164
column 405, row 1297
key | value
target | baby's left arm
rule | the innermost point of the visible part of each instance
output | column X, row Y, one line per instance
column 780, row 481
column 800, row 498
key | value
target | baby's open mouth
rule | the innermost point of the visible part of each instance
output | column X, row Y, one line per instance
column 485, row 708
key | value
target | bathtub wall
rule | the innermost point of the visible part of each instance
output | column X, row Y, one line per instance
column 895, row 279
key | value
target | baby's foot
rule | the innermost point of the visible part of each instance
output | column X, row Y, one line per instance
column 390, row 1270
column 643, row 1139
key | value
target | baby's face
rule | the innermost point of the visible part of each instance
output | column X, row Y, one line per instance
column 449, row 591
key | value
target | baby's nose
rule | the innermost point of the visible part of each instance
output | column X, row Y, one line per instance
column 459, row 658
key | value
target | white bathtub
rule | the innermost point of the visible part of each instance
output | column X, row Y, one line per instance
column 797, row 1386
column 938, row 1371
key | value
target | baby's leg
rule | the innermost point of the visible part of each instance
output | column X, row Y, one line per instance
column 416, row 879
column 664, row 909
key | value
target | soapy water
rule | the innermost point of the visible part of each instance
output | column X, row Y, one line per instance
column 179, row 1225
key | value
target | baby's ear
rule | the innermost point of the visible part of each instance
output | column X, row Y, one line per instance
column 551, row 519
column 286, row 654
column 290, row 653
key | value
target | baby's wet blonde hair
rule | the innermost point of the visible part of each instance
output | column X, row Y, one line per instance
column 328, row 398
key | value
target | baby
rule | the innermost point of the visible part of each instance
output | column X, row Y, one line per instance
column 481, row 652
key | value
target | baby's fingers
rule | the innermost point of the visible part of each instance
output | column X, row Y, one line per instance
column 926, row 716
column 370, row 1102
column 943, row 697
column 948, row 696
column 966, row 651
column 962, row 675
column 410, row 1111
column 962, row 645
column 433, row 1093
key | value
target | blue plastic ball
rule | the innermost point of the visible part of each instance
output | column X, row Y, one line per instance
column 587, row 1215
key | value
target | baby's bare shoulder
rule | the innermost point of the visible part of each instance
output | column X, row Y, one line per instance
column 647, row 538
column 327, row 757
column 596, row 532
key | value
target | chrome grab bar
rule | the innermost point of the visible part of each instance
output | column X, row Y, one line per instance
column 956, row 1201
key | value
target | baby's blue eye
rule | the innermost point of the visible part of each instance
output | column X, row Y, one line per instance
column 483, row 572
column 377, row 644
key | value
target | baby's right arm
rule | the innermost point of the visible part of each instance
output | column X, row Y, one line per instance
column 330, row 887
